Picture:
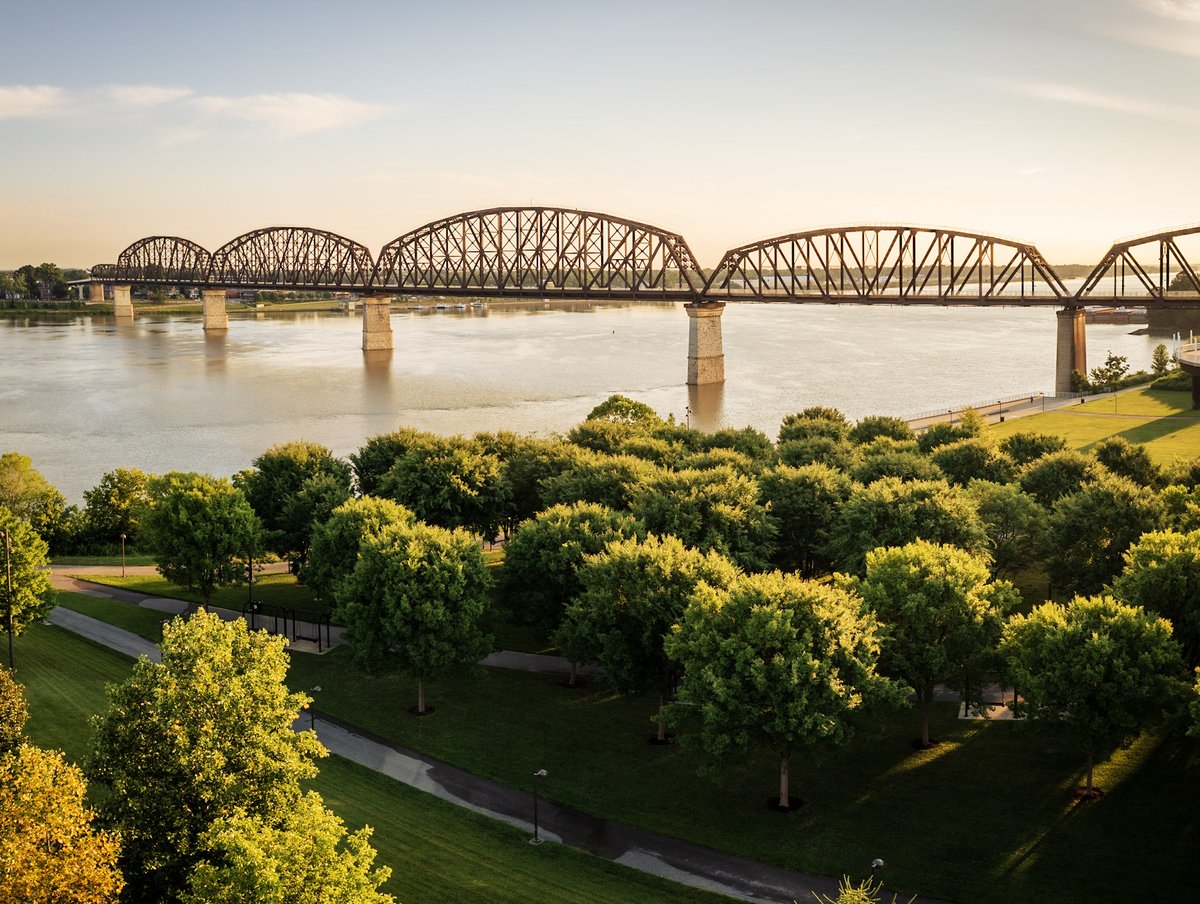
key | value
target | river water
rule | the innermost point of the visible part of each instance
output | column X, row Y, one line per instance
column 83, row 395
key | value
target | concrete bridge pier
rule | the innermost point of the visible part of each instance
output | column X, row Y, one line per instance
column 122, row 303
column 706, row 356
column 216, row 318
column 1072, row 348
column 377, row 323
column 96, row 293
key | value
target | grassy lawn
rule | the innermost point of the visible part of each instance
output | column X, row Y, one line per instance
column 438, row 852
column 114, row 561
column 145, row 623
column 272, row 589
column 987, row 816
column 1164, row 422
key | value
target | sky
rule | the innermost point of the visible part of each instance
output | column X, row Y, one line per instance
column 1069, row 124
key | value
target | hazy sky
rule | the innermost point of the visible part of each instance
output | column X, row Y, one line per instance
column 1066, row 123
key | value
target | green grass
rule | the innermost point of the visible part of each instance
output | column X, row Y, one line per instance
column 987, row 816
column 1164, row 422
column 272, row 589
column 438, row 852
column 115, row 561
column 145, row 623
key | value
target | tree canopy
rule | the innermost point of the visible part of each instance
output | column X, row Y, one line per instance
column 29, row 496
column 336, row 541
column 114, row 506
column 1096, row 668
column 206, row 734
column 1162, row 574
column 777, row 660
column 200, row 527
column 26, row 557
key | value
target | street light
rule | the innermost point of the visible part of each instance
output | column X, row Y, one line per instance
column 536, row 839
column 122, row 555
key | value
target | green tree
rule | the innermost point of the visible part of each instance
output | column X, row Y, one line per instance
column 301, row 856
column 1095, row 668
column 632, row 593
column 1125, row 459
column 27, row 570
column 814, row 422
column 777, row 660
column 114, row 506
column 887, row 457
column 804, row 504
column 529, row 465
column 1015, row 524
column 976, row 458
column 608, row 480
column 199, row 527
column 619, row 409
column 892, row 512
column 542, row 558
column 49, row 851
column 607, row 437
column 201, row 736
column 970, row 424
column 337, row 540
column 754, row 444
column 1162, row 575
column 416, row 602
column 452, row 483
column 940, row 618
column 380, row 453
column 1090, row 531
column 1058, row 474
column 1160, row 360
column 13, row 711
column 1110, row 372
column 292, row 482
column 876, row 425
column 716, row 509
column 811, row 450
column 1026, row 446
column 28, row 495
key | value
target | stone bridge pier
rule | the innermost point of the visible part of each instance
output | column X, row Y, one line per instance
column 122, row 302
column 377, row 323
column 1072, row 348
column 706, row 355
column 216, row 318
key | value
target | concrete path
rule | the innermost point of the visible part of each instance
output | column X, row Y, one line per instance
column 646, row 851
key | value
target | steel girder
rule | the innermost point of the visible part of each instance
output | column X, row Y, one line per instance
column 539, row 252
column 158, row 260
column 887, row 264
column 291, row 257
column 1151, row 270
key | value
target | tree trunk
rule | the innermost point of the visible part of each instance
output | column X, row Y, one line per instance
column 571, row 679
column 421, row 698
column 662, row 721
column 783, row 779
column 924, row 721
column 1088, row 783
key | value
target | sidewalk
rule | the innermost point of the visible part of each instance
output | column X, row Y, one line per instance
column 646, row 851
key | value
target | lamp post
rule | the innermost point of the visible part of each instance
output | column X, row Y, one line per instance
column 536, row 839
column 122, row 555
column 8, row 595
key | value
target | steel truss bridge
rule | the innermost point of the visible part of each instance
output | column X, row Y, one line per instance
column 547, row 252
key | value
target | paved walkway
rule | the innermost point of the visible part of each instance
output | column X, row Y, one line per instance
column 649, row 852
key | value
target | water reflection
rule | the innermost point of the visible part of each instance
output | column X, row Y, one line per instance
column 706, row 406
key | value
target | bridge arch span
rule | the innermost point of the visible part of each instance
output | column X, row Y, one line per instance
column 291, row 257
column 900, row 264
column 158, row 259
column 539, row 252
column 1157, row 269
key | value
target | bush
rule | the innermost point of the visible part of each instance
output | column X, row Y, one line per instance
column 1175, row 381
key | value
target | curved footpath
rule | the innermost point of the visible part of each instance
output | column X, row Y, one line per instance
column 643, row 850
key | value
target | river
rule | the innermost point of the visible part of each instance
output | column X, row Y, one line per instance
column 82, row 395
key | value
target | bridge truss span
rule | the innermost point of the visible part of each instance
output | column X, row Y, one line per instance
column 291, row 258
column 894, row 264
column 158, row 260
column 1160, row 270
column 540, row 252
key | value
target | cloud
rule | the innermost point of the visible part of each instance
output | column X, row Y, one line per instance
column 146, row 95
column 1181, row 10
column 293, row 114
column 29, row 100
column 1083, row 97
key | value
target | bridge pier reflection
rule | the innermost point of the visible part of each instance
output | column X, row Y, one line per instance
column 706, row 354
column 1072, row 348
column 377, row 323
column 706, row 405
